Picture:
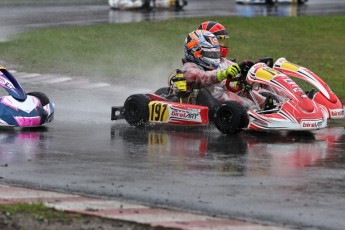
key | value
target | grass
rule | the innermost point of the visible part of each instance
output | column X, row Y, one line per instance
column 146, row 49
column 38, row 212
column 36, row 216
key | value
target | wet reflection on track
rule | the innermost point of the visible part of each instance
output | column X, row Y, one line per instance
column 21, row 144
column 274, row 10
column 279, row 154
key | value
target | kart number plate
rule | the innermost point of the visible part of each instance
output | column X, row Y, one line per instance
column 158, row 112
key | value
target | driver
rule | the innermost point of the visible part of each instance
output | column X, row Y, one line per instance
column 223, row 37
column 203, row 67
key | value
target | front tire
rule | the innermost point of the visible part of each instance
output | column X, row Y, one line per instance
column 41, row 96
column 136, row 110
column 230, row 117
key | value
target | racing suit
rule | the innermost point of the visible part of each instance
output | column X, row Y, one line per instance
column 196, row 75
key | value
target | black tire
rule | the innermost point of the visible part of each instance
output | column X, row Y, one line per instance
column 230, row 117
column 270, row 2
column 180, row 4
column 205, row 98
column 244, row 118
column 41, row 96
column 164, row 91
column 136, row 110
column 301, row 2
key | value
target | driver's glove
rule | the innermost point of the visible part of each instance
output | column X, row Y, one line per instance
column 230, row 72
column 246, row 86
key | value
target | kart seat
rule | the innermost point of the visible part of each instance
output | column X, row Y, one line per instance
column 205, row 98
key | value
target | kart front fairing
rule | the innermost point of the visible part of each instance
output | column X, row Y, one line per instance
column 10, row 84
column 298, row 112
column 324, row 95
column 20, row 109
column 288, row 117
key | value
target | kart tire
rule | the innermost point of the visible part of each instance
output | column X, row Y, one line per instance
column 270, row 2
column 300, row 2
column 205, row 98
column 244, row 118
column 136, row 110
column 164, row 91
column 41, row 96
column 230, row 117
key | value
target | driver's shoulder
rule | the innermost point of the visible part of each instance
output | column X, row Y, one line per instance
column 230, row 61
column 225, row 63
column 191, row 65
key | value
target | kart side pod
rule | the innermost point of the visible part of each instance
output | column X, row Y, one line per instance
column 139, row 110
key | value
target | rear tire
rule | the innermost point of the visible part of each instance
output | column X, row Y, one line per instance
column 136, row 110
column 205, row 98
column 41, row 96
column 164, row 91
column 230, row 117
column 301, row 2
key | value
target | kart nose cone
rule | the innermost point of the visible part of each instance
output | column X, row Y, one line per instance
column 333, row 98
column 306, row 105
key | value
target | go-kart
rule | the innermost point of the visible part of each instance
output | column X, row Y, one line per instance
column 147, row 4
column 20, row 108
column 175, row 105
column 270, row 1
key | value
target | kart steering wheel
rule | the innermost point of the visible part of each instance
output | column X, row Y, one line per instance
column 241, row 78
column 245, row 66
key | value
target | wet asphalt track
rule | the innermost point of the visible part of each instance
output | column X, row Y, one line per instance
column 278, row 178
column 284, row 179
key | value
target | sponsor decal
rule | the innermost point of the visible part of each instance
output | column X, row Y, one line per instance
column 6, row 83
column 185, row 114
column 297, row 90
column 337, row 113
column 311, row 124
column 2, row 81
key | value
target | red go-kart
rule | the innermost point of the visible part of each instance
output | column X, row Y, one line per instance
column 176, row 105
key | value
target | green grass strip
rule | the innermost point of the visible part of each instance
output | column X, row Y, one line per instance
column 142, row 50
column 38, row 212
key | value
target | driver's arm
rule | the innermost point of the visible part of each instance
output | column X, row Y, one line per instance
column 194, row 73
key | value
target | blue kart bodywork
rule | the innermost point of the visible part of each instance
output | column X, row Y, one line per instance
column 20, row 108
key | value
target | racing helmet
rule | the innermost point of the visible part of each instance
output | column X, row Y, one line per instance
column 221, row 33
column 202, row 48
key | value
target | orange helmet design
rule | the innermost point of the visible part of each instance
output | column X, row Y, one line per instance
column 221, row 34
column 202, row 48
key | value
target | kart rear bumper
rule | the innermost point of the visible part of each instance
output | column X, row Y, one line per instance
column 117, row 113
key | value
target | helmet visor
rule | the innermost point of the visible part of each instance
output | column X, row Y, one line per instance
column 211, row 54
column 224, row 41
